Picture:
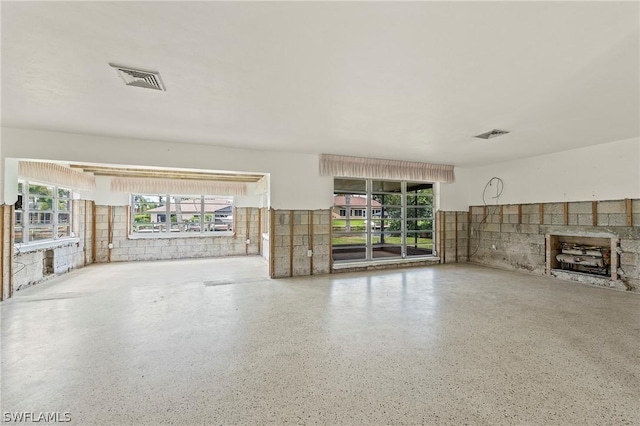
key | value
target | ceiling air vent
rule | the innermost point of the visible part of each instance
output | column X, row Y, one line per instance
column 139, row 78
column 492, row 134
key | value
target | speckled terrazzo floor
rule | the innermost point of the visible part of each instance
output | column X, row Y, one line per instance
column 150, row 343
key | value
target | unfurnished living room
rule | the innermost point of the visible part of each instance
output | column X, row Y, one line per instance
column 339, row 213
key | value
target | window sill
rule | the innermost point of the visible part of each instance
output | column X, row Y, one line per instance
column 348, row 264
column 45, row 245
column 164, row 235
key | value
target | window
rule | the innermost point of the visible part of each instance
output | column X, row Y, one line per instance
column 174, row 214
column 388, row 219
column 43, row 212
column 349, row 232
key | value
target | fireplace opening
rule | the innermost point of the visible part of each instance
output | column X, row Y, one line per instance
column 593, row 256
column 585, row 258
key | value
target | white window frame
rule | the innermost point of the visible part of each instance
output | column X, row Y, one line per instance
column 25, row 211
column 369, row 231
column 167, row 231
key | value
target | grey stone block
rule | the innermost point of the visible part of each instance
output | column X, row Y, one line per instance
column 447, row 216
column 281, row 217
column 529, row 229
column 300, row 240
column 573, row 219
column 631, row 272
column 603, row 219
column 629, row 258
column 554, row 208
column 512, row 218
column 530, row 209
column 585, row 219
column 557, row 219
column 282, row 230
column 510, row 209
column 632, row 246
column 300, row 252
column 300, row 229
column 580, row 207
column 491, row 227
column 617, row 219
column 617, row 206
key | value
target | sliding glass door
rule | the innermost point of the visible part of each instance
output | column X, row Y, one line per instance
column 381, row 219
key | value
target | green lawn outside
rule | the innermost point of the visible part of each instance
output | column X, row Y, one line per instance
column 361, row 240
column 341, row 223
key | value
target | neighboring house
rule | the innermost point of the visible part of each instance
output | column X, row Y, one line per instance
column 356, row 204
column 188, row 210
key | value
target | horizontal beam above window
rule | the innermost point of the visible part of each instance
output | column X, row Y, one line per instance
column 373, row 168
column 56, row 174
column 175, row 186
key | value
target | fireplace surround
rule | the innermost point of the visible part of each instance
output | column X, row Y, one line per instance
column 587, row 258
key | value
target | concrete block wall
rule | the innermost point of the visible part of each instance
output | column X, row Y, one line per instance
column 507, row 244
column 112, row 226
column 452, row 236
column 31, row 267
column 83, row 227
column 264, row 229
column 630, row 262
column 67, row 258
column 513, row 236
column 28, row 268
column 293, row 234
column 90, row 235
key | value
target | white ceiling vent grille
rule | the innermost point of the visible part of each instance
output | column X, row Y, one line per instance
column 139, row 78
column 492, row 134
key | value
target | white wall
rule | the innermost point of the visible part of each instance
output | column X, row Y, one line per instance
column 294, row 179
column 603, row 172
column 454, row 196
column 104, row 197
column 10, row 180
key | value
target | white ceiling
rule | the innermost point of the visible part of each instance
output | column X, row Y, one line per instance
column 412, row 81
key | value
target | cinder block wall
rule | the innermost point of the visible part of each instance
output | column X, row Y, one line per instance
column 513, row 236
column 87, row 231
column 504, row 243
column 452, row 236
column 112, row 226
column 264, row 230
column 293, row 234
column 32, row 266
